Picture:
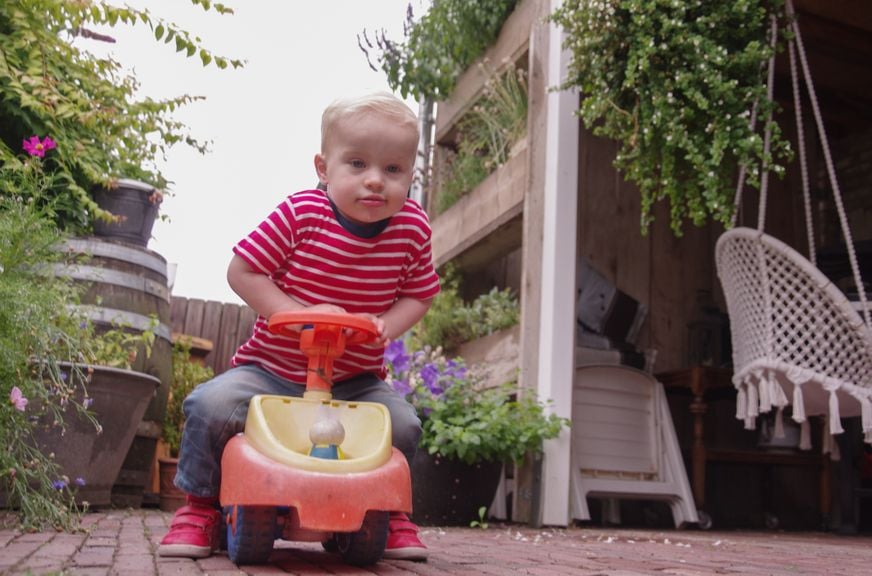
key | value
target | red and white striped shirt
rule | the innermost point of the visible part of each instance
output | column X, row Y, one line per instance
column 307, row 253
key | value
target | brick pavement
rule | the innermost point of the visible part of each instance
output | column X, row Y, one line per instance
column 123, row 542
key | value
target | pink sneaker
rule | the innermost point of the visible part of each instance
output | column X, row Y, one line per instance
column 194, row 532
column 403, row 542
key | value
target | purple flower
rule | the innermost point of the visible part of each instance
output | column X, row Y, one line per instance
column 59, row 484
column 430, row 376
column 402, row 386
column 17, row 399
column 395, row 355
column 36, row 147
column 79, row 481
column 87, row 402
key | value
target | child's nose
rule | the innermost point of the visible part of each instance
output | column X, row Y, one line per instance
column 374, row 180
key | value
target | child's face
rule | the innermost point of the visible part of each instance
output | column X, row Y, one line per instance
column 368, row 164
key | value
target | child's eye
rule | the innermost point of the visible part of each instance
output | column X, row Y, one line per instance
column 357, row 163
column 393, row 169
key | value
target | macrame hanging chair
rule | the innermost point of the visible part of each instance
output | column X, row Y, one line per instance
column 797, row 340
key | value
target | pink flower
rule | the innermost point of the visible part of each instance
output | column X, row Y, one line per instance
column 36, row 147
column 17, row 399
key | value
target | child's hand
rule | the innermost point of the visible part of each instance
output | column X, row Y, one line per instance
column 382, row 340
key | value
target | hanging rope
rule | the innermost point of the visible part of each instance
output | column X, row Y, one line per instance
column 767, row 132
column 828, row 160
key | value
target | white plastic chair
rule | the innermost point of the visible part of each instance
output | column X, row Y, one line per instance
column 624, row 444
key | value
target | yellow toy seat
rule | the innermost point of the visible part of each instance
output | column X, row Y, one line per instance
column 278, row 427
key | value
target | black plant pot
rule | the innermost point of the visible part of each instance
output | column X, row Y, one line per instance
column 137, row 213
column 450, row 492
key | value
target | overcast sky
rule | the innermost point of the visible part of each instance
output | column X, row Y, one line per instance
column 263, row 120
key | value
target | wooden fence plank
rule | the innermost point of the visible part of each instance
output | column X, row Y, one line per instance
column 229, row 339
column 194, row 317
column 211, row 327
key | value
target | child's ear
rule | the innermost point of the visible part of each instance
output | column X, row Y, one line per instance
column 321, row 168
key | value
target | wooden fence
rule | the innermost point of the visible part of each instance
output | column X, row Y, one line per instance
column 225, row 325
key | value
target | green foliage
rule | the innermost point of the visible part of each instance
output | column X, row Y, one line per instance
column 49, row 85
column 486, row 134
column 450, row 322
column 481, row 522
column 674, row 83
column 40, row 330
column 464, row 420
column 29, row 336
column 439, row 46
column 186, row 376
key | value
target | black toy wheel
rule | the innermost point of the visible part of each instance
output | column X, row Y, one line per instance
column 251, row 532
column 367, row 545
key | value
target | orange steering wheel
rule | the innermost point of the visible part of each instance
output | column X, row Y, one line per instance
column 362, row 330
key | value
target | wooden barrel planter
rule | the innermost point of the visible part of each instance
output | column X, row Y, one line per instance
column 127, row 286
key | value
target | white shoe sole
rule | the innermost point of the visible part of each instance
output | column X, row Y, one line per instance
column 183, row 551
column 410, row 553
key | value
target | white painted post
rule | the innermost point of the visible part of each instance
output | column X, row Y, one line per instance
column 557, row 320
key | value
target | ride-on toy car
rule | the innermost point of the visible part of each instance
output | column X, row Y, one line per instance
column 314, row 469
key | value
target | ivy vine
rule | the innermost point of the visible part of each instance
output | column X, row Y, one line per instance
column 87, row 104
column 674, row 82
column 438, row 47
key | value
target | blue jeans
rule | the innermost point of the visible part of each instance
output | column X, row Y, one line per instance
column 215, row 411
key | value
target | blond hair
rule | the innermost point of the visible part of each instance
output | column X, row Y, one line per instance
column 382, row 103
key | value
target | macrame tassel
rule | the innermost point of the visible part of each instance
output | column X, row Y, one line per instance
column 835, row 417
column 829, row 444
column 753, row 408
column 805, row 435
column 741, row 403
column 866, row 408
column 779, row 398
column 765, row 392
column 753, row 402
column 779, row 423
column 798, row 405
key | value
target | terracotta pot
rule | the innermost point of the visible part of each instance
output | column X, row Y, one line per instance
column 450, row 492
column 171, row 498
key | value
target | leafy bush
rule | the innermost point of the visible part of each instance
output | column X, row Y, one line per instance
column 186, row 376
column 674, row 83
column 463, row 420
column 39, row 330
column 103, row 131
column 439, row 46
column 450, row 322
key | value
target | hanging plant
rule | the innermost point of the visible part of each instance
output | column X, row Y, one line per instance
column 674, row 82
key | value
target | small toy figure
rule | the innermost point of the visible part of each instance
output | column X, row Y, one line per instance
column 326, row 435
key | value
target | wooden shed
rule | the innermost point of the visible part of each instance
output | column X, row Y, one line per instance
column 558, row 202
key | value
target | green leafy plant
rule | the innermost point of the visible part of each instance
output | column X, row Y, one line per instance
column 186, row 376
column 486, row 134
column 674, row 83
column 481, row 522
column 462, row 419
column 46, row 349
column 450, row 321
column 438, row 47
column 102, row 129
